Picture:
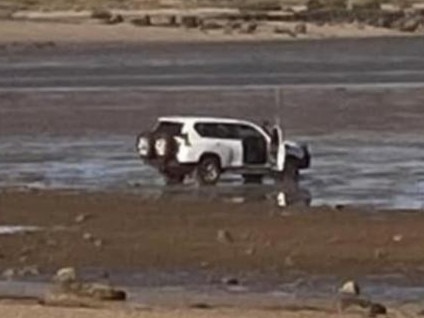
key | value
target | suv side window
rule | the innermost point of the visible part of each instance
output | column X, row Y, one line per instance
column 168, row 127
column 244, row 131
column 214, row 130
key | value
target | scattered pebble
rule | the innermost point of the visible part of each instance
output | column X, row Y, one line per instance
column 23, row 259
column 98, row 243
column 87, row 236
column 230, row 281
column 9, row 273
column 300, row 28
column 81, row 218
column 204, row 264
column 377, row 309
column 397, row 238
column 380, row 253
column 65, row 275
column 288, row 261
column 224, row 236
column 29, row 271
column 250, row 251
column 200, row 306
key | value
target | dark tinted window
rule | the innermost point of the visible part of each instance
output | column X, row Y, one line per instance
column 169, row 128
column 215, row 130
column 244, row 131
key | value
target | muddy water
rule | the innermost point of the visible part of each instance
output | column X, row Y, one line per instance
column 183, row 289
column 347, row 169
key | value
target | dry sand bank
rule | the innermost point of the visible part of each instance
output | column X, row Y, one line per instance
column 23, row 311
column 56, row 32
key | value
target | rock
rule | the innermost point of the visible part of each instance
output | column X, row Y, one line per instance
column 87, row 236
column 376, row 309
column 237, row 200
column 104, row 292
column 347, row 301
column 411, row 24
column 101, row 14
column 67, row 287
column 363, row 4
column 142, row 21
column 397, row 238
column 81, row 218
column 230, row 281
column 380, row 253
column 204, row 264
column 230, row 26
column 98, row 243
column 224, row 236
column 313, row 5
column 190, row 21
column 200, row 306
column 9, row 273
column 63, row 299
column 250, row 251
column 210, row 25
column 249, row 28
column 300, row 28
column 339, row 207
column 115, row 19
column 29, row 271
column 65, row 275
column 288, row 261
column 350, row 288
column 23, row 259
column 44, row 44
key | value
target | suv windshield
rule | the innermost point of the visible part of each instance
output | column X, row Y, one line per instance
column 168, row 127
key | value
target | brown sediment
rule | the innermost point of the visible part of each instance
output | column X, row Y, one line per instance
column 144, row 234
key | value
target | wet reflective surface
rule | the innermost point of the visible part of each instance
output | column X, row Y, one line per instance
column 170, row 289
column 361, row 170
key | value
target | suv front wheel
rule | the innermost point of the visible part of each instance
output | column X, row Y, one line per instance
column 208, row 170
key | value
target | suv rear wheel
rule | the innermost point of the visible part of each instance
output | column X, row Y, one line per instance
column 208, row 170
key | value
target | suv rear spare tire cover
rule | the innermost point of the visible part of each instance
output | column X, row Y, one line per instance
column 165, row 146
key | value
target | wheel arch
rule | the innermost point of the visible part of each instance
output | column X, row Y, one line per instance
column 210, row 154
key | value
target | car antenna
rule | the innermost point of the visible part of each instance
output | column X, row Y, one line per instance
column 279, row 105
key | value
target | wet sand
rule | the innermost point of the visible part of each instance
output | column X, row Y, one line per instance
column 22, row 311
column 142, row 234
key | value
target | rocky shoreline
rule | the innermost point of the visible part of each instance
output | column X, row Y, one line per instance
column 311, row 21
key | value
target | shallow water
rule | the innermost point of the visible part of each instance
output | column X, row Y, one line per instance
column 382, row 171
column 186, row 288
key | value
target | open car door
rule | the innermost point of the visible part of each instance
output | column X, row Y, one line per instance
column 278, row 149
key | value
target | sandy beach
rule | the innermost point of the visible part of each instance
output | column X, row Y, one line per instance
column 33, row 31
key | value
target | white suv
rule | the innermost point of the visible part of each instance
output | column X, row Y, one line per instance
column 207, row 147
